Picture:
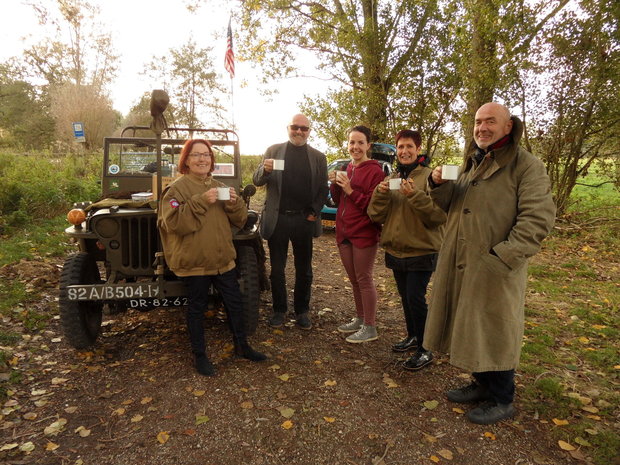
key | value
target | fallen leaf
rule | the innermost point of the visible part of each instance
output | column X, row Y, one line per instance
column 127, row 402
column 329, row 419
column 560, row 422
column 82, row 431
column 446, row 454
column 288, row 424
column 27, row 447
column 593, row 432
column 434, row 458
column 274, row 367
column 30, row 416
column 431, row 404
column 38, row 392
column 284, row 377
column 247, row 404
column 163, row 436
column 189, row 432
column 430, row 438
column 582, row 442
column 56, row 381
column 119, row 411
column 136, row 418
column 489, row 435
column 318, row 362
column 71, row 409
column 55, row 427
column 13, row 445
column 458, row 410
column 199, row 392
column 51, row 446
column 278, row 332
column 589, row 409
column 389, row 382
column 286, row 412
column 565, row 445
column 146, row 400
column 200, row 419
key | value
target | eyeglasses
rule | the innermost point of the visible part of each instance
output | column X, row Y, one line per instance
column 200, row 155
column 295, row 127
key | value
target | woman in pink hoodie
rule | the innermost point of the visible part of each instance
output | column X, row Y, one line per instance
column 356, row 235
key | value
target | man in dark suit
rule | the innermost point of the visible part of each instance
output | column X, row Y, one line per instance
column 292, row 212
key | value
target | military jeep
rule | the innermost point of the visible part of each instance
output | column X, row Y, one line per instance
column 120, row 263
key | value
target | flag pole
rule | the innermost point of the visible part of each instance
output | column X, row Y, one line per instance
column 229, row 64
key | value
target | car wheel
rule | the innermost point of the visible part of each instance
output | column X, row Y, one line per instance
column 81, row 320
column 250, row 287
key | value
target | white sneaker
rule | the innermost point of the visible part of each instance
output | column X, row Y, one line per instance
column 365, row 334
column 354, row 325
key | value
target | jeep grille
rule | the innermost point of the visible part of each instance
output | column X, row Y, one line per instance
column 138, row 242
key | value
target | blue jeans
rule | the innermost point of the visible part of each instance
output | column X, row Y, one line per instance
column 299, row 231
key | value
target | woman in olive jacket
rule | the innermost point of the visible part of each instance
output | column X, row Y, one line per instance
column 195, row 229
column 411, row 237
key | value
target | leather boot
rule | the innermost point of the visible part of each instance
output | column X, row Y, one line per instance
column 204, row 365
column 242, row 348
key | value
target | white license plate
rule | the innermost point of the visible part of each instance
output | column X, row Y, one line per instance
column 154, row 303
column 113, row 292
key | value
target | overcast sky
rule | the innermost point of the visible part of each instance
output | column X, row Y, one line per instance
column 259, row 122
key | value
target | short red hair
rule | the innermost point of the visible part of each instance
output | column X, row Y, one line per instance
column 187, row 148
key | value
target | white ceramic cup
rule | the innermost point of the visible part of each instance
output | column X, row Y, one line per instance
column 450, row 172
column 223, row 193
column 395, row 183
column 278, row 165
column 341, row 174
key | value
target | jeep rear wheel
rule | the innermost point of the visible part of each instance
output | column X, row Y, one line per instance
column 249, row 284
column 81, row 320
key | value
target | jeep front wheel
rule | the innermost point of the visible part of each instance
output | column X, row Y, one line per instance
column 81, row 320
column 250, row 288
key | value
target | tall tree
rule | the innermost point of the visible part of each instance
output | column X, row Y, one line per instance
column 188, row 74
column 370, row 47
column 574, row 100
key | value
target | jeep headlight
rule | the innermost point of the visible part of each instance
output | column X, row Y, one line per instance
column 106, row 227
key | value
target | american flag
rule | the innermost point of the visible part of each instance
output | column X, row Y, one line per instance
column 229, row 58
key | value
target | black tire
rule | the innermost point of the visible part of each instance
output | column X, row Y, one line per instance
column 249, row 284
column 81, row 320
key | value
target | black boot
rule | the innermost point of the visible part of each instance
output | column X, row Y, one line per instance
column 245, row 350
column 204, row 365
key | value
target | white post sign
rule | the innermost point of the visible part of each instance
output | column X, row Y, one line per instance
column 78, row 132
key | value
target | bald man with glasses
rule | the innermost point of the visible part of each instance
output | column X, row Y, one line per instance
column 292, row 213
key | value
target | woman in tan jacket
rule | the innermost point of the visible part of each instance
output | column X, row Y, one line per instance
column 411, row 237
column 195, row 228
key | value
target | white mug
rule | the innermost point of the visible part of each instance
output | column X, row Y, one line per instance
column 223, row 193
column 278, row 165
column 341, row 174
column 450, row 172
column 395, row 183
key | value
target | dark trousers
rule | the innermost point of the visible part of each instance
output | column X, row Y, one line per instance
column 198, row 295
column 501, row 384
column 299, row 231
column 412, row 289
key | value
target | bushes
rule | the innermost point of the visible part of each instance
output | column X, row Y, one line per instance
column 39, row 186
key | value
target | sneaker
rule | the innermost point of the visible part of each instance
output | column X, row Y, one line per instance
column 406, row 344
column 354, row 325
column 471, row 393
column 418, row 360
column 490, row 412
column 303, row 321
column 366, row 333
column 277, row 319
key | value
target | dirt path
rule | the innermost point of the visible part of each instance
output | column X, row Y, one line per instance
column 136, row 399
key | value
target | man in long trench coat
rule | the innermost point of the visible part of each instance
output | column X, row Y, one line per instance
column 499, row 210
